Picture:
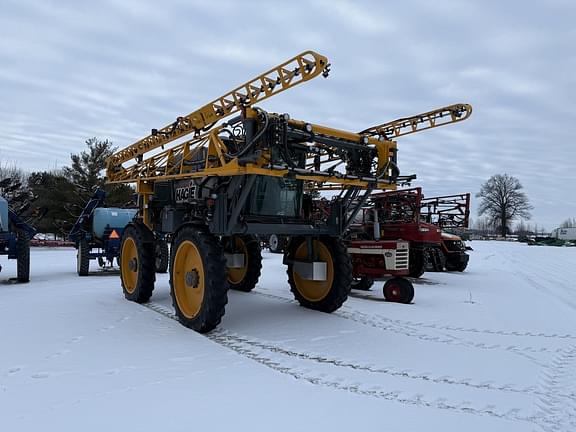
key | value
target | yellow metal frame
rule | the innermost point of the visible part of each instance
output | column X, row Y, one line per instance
column 297, row 70
column 420, row 122
column 206, row 154
column 176, row 162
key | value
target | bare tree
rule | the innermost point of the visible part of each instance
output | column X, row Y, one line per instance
column 12, row 171
column 502, row 201
column 568, row 223
column 14, row 187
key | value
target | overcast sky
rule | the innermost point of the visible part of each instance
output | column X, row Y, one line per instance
column 70, row 70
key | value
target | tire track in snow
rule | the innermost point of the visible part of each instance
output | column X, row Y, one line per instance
column 485, row 331
column 243, row 348
column 546, row 271
column 398, row 327
column 506, row 388
column 568, row 300
column 557, row 414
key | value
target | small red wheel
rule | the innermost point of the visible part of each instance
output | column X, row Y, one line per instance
column 399, row 290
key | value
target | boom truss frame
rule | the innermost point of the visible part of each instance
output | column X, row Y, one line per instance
column 420, row 122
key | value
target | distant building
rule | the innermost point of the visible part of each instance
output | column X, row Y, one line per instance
column 564, row 233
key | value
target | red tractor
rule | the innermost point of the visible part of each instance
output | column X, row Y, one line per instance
column 381, row 243
column 400, row 234
column 377, row 259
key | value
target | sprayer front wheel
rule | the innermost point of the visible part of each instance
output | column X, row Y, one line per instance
column 137, row 258
column 198, row 279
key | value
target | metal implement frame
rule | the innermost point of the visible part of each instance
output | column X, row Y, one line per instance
column 449, row 211
column 77, row 230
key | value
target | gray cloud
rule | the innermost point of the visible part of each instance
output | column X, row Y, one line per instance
column 115, row 69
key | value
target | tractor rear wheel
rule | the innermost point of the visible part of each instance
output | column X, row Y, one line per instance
column 162, row 256
column 363, row 284
column 137, row 263
column 83, row 258
column 418, row 262
column 245, row 278
column 198, row 279
column 399, row 290
column 322, row 295
column 23, row 256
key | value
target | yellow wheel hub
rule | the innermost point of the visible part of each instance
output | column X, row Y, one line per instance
column 237, row 275
column 314, row 290
column 129, row 264
column 188, row 279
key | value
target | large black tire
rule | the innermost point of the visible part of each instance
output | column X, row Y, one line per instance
column 456, row 265
column 276, row 243
column 137, row 263
column 362, row 284
column 246, row 278
column 462, row 266
column 198, row 283
column 328, row 295
column 23, row 256
column 418, row 262
column 83, row 258
column 399, row 290
column 162, row 256
column 436, row 260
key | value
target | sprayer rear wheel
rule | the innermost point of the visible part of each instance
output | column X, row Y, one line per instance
column 162, row 256
column 245, row 278
column 83, row 258
column 23, row 256
column 322, row 295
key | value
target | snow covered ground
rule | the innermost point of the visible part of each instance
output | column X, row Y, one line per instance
column 490, row 349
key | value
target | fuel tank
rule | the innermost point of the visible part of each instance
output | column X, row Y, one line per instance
column 110, row 217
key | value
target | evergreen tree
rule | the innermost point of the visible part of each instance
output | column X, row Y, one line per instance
column 65, row 193
column 86, row 170
column 60, row 199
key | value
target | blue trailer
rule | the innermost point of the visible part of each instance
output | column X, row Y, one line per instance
column 15, row 235
column 97, row 235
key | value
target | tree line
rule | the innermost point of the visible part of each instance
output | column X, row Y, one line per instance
column 59, row 196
